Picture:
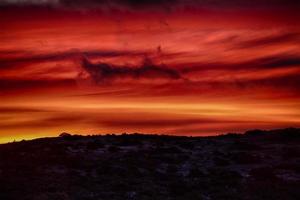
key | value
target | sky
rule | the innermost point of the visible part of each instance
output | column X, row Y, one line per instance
column 193, row 67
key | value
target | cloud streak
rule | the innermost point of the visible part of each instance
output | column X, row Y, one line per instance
column 267, row 62
column 13, row 85
column 269, row 40
column 28, row 58
column 162, row 4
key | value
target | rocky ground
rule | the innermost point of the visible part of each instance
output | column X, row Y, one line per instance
column 257, row 165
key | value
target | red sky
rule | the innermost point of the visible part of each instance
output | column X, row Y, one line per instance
column 185, row 68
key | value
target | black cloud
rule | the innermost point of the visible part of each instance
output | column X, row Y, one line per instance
column 278, row 62
column 101, row 72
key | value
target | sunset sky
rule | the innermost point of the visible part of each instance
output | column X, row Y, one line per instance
column 193, row 67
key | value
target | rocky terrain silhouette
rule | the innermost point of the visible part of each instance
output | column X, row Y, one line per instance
column 257, row 165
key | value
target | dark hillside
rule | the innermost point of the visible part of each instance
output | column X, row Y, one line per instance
column 257, row 165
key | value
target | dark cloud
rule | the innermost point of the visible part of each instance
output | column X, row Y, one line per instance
column 291, row 82
column 269, row 40
column 92, row 4
column 118, row 3
column 286, row 83
column 8, row 85
column 103, row 72
column 269, row 62
column 158, row 4
column 277, row 61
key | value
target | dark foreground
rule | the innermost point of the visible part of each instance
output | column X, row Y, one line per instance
column 257, row 165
